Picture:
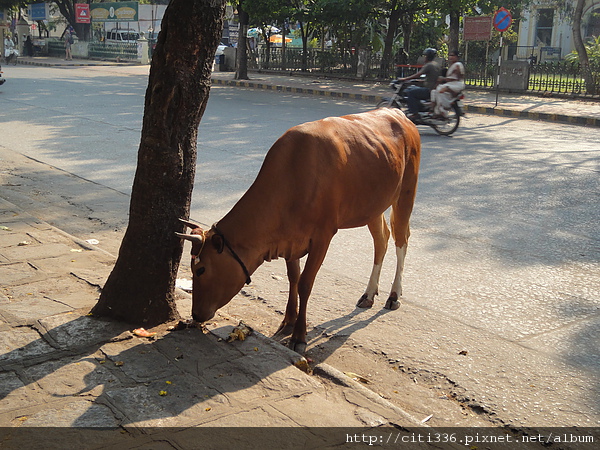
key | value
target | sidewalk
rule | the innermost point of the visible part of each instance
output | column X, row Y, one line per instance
column 60, row 367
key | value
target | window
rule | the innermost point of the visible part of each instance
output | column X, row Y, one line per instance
column 543, row 30
column 593, row 24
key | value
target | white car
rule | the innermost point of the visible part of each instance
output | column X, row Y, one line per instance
column 220, row 49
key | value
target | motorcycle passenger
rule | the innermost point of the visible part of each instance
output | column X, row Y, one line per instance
column 449, row 86
column 9, row 46
column 415, row 94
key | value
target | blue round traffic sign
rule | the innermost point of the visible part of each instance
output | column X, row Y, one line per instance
column 502, row 19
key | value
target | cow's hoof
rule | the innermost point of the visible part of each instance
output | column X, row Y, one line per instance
column 298, row 347
column 285, row 329
column 364, row 302
column 392, row 303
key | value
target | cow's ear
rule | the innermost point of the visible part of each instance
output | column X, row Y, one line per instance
column 218, row 242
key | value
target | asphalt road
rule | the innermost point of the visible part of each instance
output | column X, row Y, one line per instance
column 502, row 277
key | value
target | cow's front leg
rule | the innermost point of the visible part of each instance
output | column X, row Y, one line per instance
column 291, row 310
column 381, row 234
column 307, row 279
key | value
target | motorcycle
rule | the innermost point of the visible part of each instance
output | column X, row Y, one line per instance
column 10, row 56
column 2, row 79
column 444, row 126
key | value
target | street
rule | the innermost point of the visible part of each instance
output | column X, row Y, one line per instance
column 502, row 277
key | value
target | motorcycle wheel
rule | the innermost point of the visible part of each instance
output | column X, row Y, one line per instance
column 449, row 126
column 386, row 103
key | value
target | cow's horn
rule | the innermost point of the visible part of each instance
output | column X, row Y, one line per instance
column 192, row 225
column 191, row 237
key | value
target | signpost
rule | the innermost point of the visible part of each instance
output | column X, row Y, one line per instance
column 502, row 22
column 82, row 13
column 477, row 29
column 38, row 11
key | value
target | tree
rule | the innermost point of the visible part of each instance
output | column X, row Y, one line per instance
column 140, row 288
column 67, row 9
column 581, row 50
column 241, row 70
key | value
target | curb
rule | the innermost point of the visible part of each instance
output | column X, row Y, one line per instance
column 546, row 117
column 297, row 90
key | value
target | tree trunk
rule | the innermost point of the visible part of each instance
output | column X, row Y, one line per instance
column 584, row 61
column 140, row 288
column 454, row 32
column 386, row 59
column 241, row 69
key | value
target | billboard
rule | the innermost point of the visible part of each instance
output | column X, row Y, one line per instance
column 114, row 12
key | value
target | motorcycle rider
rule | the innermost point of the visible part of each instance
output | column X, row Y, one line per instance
column 449, row 86
column 415, row 94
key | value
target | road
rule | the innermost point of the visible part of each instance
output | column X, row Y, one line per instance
column 502, row 289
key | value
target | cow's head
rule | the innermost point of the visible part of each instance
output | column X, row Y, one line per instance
column 217, row 273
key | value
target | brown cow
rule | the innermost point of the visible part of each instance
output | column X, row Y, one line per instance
column 319, row 177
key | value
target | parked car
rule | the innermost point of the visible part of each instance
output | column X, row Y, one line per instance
column 220, row 49
column 122, row 36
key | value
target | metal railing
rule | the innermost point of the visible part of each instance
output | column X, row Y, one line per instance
column 110, row 50
column 560, row 77
column 564, row 77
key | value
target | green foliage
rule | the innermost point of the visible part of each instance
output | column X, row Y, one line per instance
column 592, row 48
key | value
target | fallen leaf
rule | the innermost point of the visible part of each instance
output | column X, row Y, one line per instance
column 22, row 243
column 5, row 228
column 162, row 393
column 463, row 352
column 119, row 363
column 357, row 377
column 207, row 409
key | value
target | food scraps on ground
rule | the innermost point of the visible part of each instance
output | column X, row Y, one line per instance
column 239, row 333
column 142, row 332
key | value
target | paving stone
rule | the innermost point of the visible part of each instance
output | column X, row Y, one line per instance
column 69, row 331
column 187, row 402
column 20, row 273
column 29, row 309
column 75, row 413
column 74, row 376
column 35, row 252
column 139, row 360
column 14, row 239
column 22, row 344
column 14, row 395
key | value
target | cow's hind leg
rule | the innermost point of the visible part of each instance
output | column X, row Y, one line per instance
column 381, row 234
column 399, row 220
column 291, row 310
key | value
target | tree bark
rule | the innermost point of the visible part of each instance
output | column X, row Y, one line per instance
column 584, row 60
column 140, row 288
column 241, row 70
column 387, row 57
column 454, row 32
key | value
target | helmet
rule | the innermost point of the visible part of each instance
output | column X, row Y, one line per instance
column 430, row 53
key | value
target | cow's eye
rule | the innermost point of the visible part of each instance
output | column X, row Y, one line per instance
column 200, row 271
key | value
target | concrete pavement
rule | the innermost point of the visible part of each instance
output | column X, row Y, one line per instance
column 534, row 107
